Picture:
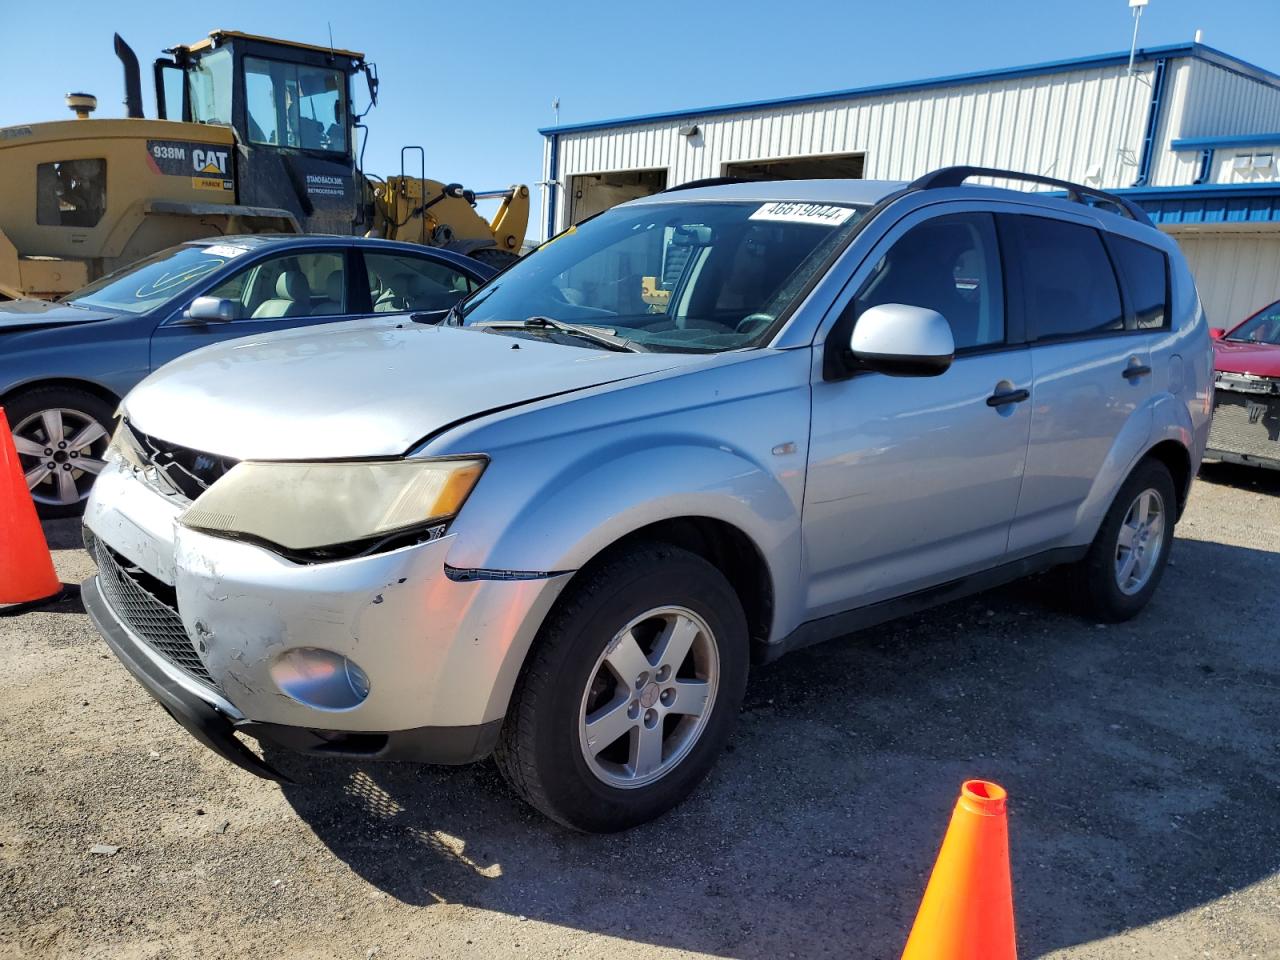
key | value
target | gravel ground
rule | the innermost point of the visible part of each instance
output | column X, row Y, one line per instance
column 1142, row 763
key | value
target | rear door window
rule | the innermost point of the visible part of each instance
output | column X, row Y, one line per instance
column 1069, row 284
column 402, row 281
column 1146, row 279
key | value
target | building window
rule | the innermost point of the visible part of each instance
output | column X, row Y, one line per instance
column 71, row 193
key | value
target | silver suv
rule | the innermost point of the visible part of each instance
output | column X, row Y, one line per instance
column 692, row 433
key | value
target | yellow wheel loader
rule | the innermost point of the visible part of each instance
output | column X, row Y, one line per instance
column 254, row 135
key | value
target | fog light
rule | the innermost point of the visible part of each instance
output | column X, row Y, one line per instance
column 320, row 679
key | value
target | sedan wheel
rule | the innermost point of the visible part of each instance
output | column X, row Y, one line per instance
column 60, row 450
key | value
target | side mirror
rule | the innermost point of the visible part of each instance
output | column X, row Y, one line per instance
column 212, row 310
column 903, row 341
column 1216, row 333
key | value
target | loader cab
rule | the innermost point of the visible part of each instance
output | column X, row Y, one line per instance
column 290, row 107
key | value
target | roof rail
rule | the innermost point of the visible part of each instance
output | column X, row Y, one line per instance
column 956, row 176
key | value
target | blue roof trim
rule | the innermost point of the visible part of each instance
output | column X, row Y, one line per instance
column 1209, row 203
column 1144, row 55
column 1213, row 143
column 1201, row 191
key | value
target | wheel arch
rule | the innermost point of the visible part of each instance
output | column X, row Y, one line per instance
column 69, row 383
column 722, row 544
column 1177, row 459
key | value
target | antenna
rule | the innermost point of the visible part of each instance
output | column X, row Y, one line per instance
column 555, row 105
column 329, row 24
column 1136, row 6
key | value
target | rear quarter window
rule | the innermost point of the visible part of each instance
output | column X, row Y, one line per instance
column 1069, row 283
column 1145, row 271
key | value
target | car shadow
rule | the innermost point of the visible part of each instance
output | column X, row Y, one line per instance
column 1258, row 479
column 1140, row 761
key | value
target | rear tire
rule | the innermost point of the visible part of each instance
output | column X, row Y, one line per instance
column 1123, row 567
column 629, row 615
column 68, row 428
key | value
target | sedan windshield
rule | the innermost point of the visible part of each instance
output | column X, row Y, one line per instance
column 1263, row 327
column 153, row 281
column 678, row 276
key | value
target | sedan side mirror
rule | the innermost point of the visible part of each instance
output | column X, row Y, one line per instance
column 213, row 310
column 903, row 341
column 1216, row 333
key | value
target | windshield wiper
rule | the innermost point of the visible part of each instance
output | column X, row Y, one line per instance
column 591, row 333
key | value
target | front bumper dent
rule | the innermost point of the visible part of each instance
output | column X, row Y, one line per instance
column 201, row 718
column 215, row 724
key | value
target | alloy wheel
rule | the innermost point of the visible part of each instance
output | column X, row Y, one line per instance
column 60, row 450
column 649, row 697
column 1140, row 542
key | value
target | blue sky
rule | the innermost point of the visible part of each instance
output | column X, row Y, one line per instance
column 472, row 82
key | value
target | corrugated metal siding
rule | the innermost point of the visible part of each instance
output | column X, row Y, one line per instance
column 1253, row 208
column 1060, row 124
column 1237, row 274
column 1212, row 101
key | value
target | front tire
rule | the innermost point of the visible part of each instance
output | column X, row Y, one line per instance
column 1127, row 559
column 61, row 434
column 630, row 693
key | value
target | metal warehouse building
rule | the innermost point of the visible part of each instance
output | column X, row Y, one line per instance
column 1193, row 134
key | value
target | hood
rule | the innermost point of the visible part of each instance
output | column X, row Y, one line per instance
column 365, row 388
column 27, row 314
column 1259, row 359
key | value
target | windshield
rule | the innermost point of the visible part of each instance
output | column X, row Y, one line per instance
column 1264, row 327
column 209, row 83
column 155, row 280
column 688, row 277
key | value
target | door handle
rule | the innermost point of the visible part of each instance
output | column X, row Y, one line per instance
column 1135, row 370
column 1007, row 396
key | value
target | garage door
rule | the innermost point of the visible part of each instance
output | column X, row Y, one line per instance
column 592, row 193
column 822, row 167
column 1237, row 274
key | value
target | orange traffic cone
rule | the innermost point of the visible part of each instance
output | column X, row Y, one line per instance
column 26, row 567
column 967, row 911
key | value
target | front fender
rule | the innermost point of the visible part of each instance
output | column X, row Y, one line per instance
column 570, row 477
column 597, row 499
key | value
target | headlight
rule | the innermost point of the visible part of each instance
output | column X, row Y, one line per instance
column 305, row 506
column 124, row 447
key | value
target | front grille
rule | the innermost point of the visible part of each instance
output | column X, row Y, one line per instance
column 190, row 472
column 1246, row 424
column 147, row 607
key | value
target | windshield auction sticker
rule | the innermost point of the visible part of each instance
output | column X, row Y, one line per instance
column 789, row 211
column 223, row 250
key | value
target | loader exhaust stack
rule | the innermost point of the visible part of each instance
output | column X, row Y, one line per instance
column 132, row 79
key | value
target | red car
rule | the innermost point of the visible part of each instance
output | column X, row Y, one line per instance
column 1246, row 405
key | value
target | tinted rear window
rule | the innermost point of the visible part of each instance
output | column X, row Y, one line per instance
column 1146, row 278
column 1071, row 288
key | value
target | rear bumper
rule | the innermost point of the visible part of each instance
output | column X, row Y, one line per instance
column 215, row 723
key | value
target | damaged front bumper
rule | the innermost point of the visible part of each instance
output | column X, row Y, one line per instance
column 383, row 657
